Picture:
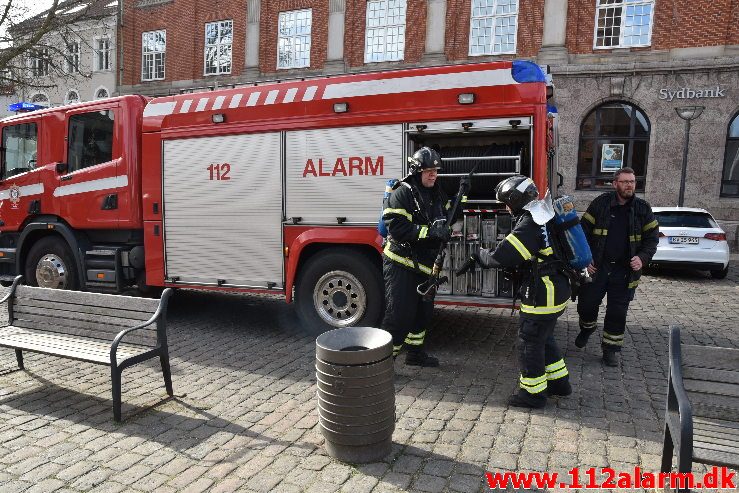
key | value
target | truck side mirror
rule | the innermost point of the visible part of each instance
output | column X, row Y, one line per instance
column 61, row 168
column 561, row 179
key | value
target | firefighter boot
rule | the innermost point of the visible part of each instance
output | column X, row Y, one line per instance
column 560, row 387
column 586, row 329
column 524, row 399
column 610, row 358
column 419, row 357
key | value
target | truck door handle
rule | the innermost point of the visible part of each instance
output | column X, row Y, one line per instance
column 110, row 202
column 66, row 177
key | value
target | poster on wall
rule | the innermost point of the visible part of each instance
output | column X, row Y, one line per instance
column 611, row 158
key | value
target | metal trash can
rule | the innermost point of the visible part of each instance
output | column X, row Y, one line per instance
column 356, row 394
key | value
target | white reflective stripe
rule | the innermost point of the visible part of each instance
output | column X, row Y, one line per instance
column 159, row 109
column 218, row 103
column 524, row 185
column 271, row 96
column 25, row 191
column 92, row 186
column 290, row 95
column 186, row 106
column 235, row 100
column 253, row 98
column 436, row 82
column 202, row 103
column 310, row 93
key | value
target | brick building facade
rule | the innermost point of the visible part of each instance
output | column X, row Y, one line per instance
column 606, row 59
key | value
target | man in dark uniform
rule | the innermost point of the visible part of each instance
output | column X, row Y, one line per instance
column 415, row 217
column 544, row 293
column 623, row 236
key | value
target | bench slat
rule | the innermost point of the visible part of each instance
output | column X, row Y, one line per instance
column 68, row 346
column 715, row 458
column 8, row 334
column 711, row 375
column 31, row 313
column 136, row 316
column 730, row 426
column 718, row 447
column 717, row 358
column 142, row 339
column 80, row 327
column 710, row 387
column 87, row 299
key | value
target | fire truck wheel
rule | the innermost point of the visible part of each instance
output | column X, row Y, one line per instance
column 50, row 265
column 339, row 288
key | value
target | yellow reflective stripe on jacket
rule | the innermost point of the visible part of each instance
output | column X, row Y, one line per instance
column 600, row 232
column 543, row 310
column 547, row 251
column 633, row 284
column 589, row 218
column 649, row 226
column 550, row 290
column 401, row 212
column 518, row 246
column 464, row 199
column 556, row 370
column 448, row 205
column 533, row 385
column 423, row 232
column 633, row 238
column 404, row 260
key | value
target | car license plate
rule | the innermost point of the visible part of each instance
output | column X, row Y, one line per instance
column 684, row 240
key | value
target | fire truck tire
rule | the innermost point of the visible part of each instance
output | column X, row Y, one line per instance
column 50, row 264
column 339, row 288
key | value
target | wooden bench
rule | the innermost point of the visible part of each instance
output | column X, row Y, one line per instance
column 702, row 417
column 118, row 331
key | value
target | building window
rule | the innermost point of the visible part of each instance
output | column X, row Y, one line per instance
column 40, row 99
column 90, row 139
column 102, row 93
column 730, row 180
column 218, row 42
column 293, row 42
column 614, row 135
column 623, row 23
column 493, row 27
column 153, row 53
column 72, row 97
column 385, row 37
column 40, row 62
column 72, row 58
column 103, row 53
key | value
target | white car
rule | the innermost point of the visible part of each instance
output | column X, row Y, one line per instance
column 691, row 238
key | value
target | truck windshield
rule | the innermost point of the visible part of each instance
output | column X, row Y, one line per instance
column 19, row 149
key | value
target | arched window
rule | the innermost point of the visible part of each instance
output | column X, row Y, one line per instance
column 614, row 135
column 41, row 99
column 72, row 97
column 730, row 180
column 101, row 93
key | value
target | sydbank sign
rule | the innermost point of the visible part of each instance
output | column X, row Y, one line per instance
column 689, row 93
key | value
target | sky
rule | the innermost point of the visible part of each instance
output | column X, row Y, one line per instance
column 28, row 7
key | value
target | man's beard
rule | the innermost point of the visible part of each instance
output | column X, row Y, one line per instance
column 626, row 194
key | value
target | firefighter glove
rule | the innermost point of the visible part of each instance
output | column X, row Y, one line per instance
column 440, row 231
column 470, row 264
column 464, row 185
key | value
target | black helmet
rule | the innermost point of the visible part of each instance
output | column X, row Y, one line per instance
column 516, row 192
column 424, row 158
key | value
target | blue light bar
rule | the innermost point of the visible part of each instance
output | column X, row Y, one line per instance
column 525, row 71
column 23, row 106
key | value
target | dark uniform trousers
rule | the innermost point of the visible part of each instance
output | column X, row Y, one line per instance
column 405, row 310
column 611, row 279
column 541, row 364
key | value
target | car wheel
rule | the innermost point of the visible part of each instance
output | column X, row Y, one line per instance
column 720, row 274
column 339, row 288
column 50, row 264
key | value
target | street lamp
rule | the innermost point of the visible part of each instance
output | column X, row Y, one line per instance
column 687, row 113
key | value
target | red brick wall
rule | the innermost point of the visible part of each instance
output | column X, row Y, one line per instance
column 676, row 24
column 184, row 21
column 530, row 29
column 355, row 23
column 268, row 31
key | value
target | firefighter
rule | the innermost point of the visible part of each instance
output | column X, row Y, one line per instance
column 623, row 236
column 415, row 217
column 544, row 294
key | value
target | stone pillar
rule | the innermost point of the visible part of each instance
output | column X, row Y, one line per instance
column 253, row 9
column 553, row 50
column 335, row 50
column 435, row 32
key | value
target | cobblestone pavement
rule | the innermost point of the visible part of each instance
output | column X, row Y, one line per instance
column 244, row 416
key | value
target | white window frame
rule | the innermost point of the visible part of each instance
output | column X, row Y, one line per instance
column 154, row 54
column 72, row 58
column 490, row 49
column 292, row 40
column 218, row 46
column 381, row 31
column 100, row 88
column 40, row 62
column 67, row 100
column 600, row 5
column 106, row 53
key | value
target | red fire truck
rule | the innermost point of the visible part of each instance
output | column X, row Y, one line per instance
column 272, row 188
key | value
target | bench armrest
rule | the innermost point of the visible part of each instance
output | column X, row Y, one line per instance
column 11, row 293
column 159, row 318
column 677, row 397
